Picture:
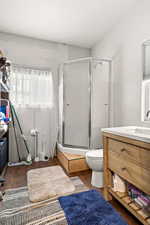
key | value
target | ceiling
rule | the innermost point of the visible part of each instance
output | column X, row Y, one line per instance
column 76, row 22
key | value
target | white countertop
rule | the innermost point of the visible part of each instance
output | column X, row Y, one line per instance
column 133, row 132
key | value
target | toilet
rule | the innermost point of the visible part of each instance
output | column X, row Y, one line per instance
column 94, row 159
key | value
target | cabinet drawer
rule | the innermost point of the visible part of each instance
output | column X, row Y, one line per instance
column 130, row 152
column 138, row 176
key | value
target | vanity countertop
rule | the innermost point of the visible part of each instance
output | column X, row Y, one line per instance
column 133, row 132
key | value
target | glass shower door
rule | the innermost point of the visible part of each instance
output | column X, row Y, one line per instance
column 100, row 101
column 76, row 104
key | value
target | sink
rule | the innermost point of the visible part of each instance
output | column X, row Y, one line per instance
column 145, row 131
column 138, row 133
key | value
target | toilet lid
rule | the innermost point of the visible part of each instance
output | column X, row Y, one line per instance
column 95, row 153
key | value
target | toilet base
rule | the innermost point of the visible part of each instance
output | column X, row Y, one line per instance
column 97, row 179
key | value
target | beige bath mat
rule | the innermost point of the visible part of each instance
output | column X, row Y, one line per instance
column 44, row 183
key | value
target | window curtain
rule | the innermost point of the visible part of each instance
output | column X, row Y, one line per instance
column 33, row 94
column 31, row 87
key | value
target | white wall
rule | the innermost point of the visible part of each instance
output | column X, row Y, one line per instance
column 37, row 53
column 124, row 45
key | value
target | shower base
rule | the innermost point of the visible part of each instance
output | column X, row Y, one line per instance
column 76, row 151
column 72, row 161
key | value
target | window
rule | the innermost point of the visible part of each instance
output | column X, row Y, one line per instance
column 31, row 87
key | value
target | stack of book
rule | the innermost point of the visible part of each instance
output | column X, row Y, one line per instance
column 139, row 197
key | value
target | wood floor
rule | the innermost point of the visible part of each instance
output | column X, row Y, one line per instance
column 16, row 177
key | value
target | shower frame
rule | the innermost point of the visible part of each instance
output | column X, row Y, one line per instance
column 90, row 59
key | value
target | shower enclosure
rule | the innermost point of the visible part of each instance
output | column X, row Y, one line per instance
column 84, row 103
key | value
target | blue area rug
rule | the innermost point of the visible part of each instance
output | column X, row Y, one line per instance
column 89, row 208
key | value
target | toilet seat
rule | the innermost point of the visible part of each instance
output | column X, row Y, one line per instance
column 95, row 154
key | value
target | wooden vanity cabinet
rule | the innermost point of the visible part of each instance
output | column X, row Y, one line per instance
column 130, row 159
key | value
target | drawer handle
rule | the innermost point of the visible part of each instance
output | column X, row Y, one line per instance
column 123, row 169
column 123, row 150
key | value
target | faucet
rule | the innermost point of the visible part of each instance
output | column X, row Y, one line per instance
column 148, row 114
